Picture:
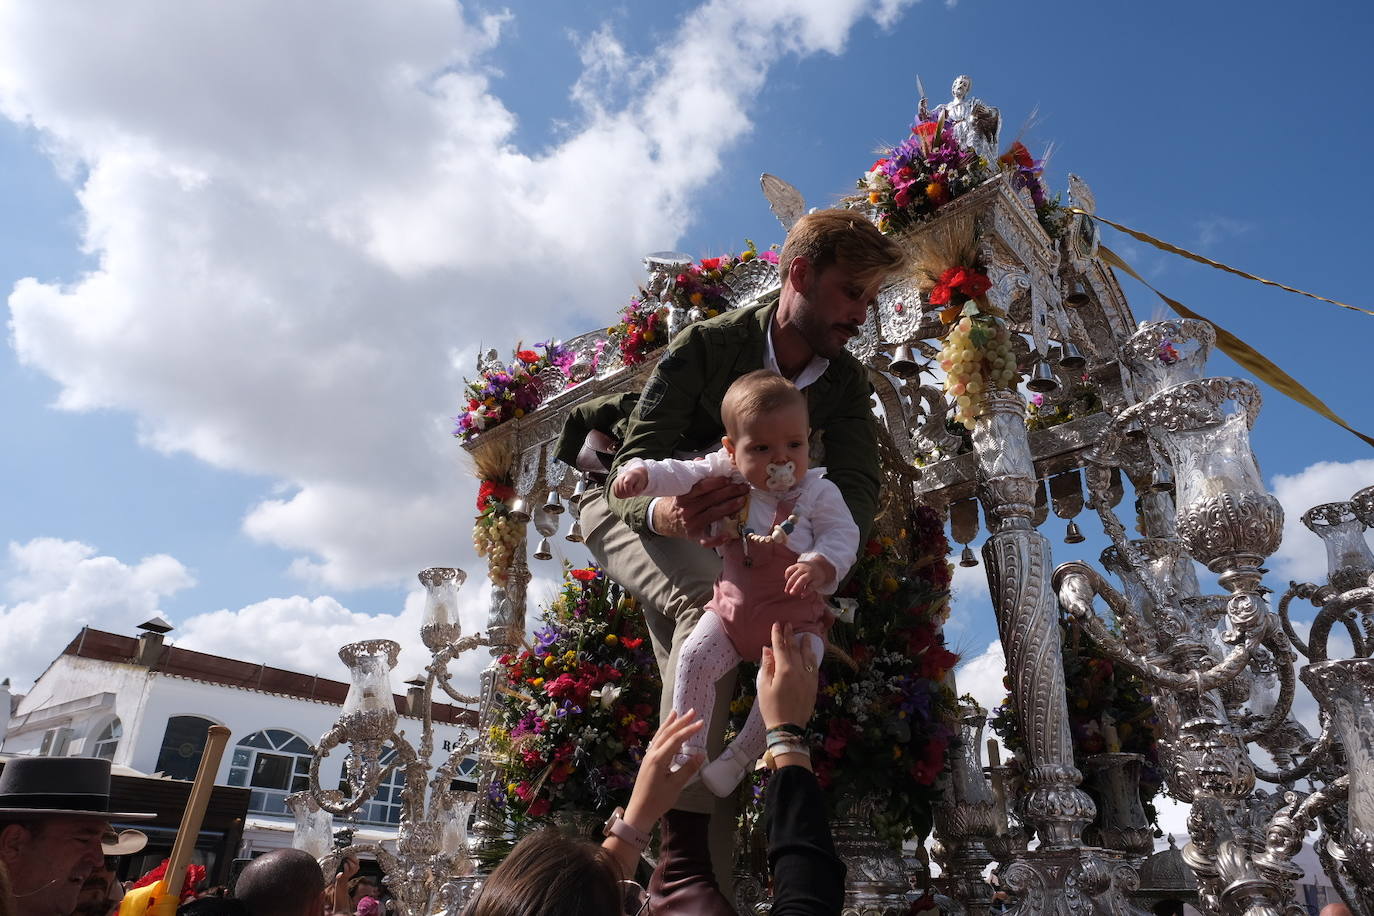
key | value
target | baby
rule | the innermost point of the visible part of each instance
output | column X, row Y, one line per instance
column 795, row 541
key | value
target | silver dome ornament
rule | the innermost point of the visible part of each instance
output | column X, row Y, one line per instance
column 1077, row 294
column 904, row 363
column 1070, row 357
column 544, row 551
column 1042, row 380
column 1161, row 479
column 554, row 504
column 518, row 511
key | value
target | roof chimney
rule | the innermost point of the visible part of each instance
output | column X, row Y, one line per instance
column 415, row 695
column 150, row 641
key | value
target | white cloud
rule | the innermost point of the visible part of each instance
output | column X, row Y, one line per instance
column 52, row 588
column 56, row 586
column 981, row 676
column 1301, row 557
column 301, row 221
column 1215, row 229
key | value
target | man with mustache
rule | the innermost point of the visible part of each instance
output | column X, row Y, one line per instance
column 832, row 266
column 54, row 816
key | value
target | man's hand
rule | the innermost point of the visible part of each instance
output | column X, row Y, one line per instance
column 630, row 483
column 805, row 576
column 692, row 514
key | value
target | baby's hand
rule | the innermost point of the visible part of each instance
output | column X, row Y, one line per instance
column 630, row 483
column 804, row 576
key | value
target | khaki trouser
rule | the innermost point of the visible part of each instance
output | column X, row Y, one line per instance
column 671, row 578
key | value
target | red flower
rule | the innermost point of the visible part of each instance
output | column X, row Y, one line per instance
column 936, row 662
column 926, row 130
column 491, row 491
column 528, row 356
column 632, row 643
column 939, row 295
column 584, row 575
column 873, row 548
column 710, row 263
column 877, row 164
column 539, row 808
column 902, row 197
column 975, row 284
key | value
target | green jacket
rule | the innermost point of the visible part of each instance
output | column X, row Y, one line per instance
column 679, row 409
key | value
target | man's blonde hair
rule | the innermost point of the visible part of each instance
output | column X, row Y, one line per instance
column 759, row 392
column 843, row 237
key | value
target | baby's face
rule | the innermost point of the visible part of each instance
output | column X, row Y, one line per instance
column 771, row 450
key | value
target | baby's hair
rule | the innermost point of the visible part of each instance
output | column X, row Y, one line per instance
column 761, row 391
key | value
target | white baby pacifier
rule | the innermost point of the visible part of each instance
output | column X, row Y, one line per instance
column 782, row 476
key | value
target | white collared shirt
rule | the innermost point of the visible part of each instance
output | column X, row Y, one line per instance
column 810, row 372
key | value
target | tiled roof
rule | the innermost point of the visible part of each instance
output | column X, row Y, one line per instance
column 231, row 672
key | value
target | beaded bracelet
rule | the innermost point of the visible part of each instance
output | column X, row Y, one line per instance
column 787, row 731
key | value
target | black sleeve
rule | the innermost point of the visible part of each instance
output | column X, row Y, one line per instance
column 808, row 877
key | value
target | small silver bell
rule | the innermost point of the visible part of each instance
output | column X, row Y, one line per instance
column 574, row 533
column 544, row 551
column 1161, row 479
column 695, row 314
column 903, row 364
column 554, row 504
column 1077, row 296
column 1042, row 380
column 967, row 558
column 518, row 511
column 1070, row 357
column 1073, row 535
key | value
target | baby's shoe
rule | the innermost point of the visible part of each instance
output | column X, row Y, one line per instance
column 685, row 755
column 723, row 774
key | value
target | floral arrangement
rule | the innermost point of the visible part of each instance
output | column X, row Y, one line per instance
column 917, row 177
column 579, row 705
column 882, row 722
column 643, row 328
column 700, row 290
column 1027, row 173
column 1108, row 711
column 505, row 392
column 1081, row 402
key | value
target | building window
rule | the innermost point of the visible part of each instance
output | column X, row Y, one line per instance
column 183, row 744
column 273, row 763
column 107, row 740
column 384, row 808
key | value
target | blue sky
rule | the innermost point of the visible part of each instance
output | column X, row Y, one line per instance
column 265, row 243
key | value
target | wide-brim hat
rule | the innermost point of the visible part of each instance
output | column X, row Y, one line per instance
column 32, row 787
column 124, row 843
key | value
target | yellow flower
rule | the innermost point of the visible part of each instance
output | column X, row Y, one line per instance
column 648, row 335
column 611, row 639
column 570, row 655
column 519, row 412
column 711, row 313
column 511, row 787
column 537, row 682
column 896, row 752
column 874, row 197
column 889, row 585
column 490, row 402
column 696, row 298
column 747, row 255
column 548, row 661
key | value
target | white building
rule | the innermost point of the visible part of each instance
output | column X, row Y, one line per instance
column 147, row 706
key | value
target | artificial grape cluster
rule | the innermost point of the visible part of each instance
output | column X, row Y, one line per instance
column 976, row 356
column 495, row 537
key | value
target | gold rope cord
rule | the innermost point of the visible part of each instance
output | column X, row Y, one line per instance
column 1244, row 354
column 1192, row 256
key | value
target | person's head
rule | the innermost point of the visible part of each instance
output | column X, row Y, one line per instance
column 767, row 430
column 833, row 264
column 548, row 874
column 54, row 816
column 283, row 882
column 962, row 84
column 49, row 860
column 362, row 886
